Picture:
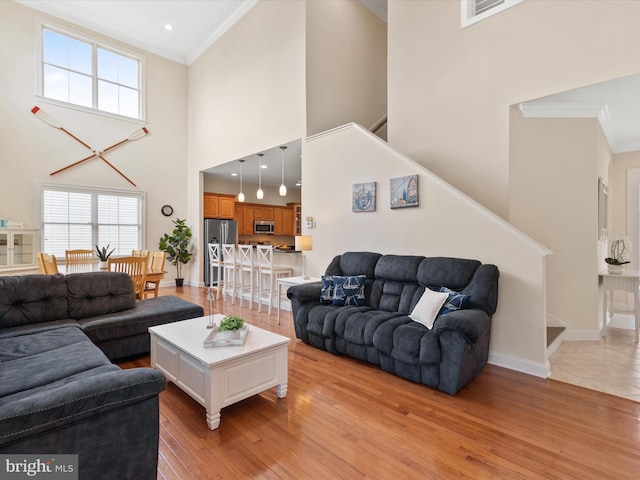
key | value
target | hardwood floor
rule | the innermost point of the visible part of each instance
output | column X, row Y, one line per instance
column 343, row 419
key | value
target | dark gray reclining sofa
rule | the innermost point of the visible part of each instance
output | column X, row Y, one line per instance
column 446, row 356
column 59, row 391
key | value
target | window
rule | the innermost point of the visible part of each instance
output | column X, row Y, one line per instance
column 473, row 11
column 77, row 71
column 77, row 217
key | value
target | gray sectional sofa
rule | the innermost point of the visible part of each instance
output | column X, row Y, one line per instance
column 59, row 391
column 377, row 327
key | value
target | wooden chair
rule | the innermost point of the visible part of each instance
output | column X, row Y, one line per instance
column 141, row 253
column 157, row 263
column 79, row 256
column 48, row 264
column 269, row 272
column 136, row 267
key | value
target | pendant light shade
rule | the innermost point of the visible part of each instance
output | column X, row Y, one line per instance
column 241, row 195
column 283, row 188
column 260, row 193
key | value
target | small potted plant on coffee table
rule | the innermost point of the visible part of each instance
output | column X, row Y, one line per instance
column 229, row 327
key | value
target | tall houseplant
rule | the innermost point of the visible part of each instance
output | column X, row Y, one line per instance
column 177, row 247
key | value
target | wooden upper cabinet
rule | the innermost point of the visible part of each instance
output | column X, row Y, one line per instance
column 278, row 227
column 287, row 221
column 217, row 205
column 247, row 220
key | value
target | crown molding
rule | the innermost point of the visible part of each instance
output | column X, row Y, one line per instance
column 579, row 110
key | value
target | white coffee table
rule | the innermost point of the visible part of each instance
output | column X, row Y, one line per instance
column 220, row 376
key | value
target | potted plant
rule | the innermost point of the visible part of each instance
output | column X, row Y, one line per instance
column 103, row 255
column 177, row 247
column 229, row 326
column 620, row 249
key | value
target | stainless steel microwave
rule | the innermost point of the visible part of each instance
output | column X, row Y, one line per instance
column 263, row 227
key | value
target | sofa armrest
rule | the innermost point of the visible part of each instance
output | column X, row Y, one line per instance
column 309, row 292
column 49, row 409
column 469, row 323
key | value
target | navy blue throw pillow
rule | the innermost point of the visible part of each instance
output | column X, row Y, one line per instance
column 348, row 290
column 456, row 301
column 326, row 294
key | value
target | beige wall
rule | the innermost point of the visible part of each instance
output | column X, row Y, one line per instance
column 30, row 149
column 553, row 179
column 447, row 223
column 346, row 65
column 450, row 88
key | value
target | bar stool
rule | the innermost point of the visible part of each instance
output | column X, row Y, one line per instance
column 230, row 267
column 246, row 267
column 267, row 269
column 215, row 263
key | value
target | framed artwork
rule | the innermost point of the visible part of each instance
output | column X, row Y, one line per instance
column 403, row 191
column 364, row 197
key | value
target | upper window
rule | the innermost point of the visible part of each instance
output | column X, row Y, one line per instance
column 84, row 73
column 473, row 11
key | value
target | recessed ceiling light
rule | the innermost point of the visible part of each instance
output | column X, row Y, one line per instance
column 263, row 166
column 168, row 27
column 234, row 174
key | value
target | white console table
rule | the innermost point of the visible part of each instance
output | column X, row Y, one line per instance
column 288, row 281
column 628, row 281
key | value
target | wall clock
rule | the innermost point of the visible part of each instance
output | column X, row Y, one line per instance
column 167, row 210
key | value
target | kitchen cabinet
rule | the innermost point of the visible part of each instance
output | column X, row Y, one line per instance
column 297, row 218
column 217, row 205
column 263, row 212
column 17, row 248
column 287, row 221
column 247, row 220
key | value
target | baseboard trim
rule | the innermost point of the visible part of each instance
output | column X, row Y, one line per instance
column 519, row 364
column 582, row 335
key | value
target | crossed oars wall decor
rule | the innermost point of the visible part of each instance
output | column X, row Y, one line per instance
column 49, row 120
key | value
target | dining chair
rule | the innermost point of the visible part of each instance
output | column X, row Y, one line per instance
column 247, row 268
column 157, row 264
column 136, row 267
column 141, row 253
column 269, row 272
column 215, row 264
column 231, row 271
column 79, row 256
column 47, row 262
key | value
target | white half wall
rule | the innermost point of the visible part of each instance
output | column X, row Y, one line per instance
column 446, row 223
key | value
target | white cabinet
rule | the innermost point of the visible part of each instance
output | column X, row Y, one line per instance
column 17, row 248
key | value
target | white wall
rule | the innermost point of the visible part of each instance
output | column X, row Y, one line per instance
column 557, row 162
column 246, row 95
column 30, row 149
column 450, row 88
column 447, row 223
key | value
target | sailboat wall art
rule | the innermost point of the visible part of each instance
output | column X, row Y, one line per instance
column 403, row 191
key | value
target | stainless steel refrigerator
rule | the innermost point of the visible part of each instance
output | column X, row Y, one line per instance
column 217, row 231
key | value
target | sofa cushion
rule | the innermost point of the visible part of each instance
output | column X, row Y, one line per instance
column 30, row 299
column 428, row 307
column 455, row 273
column 455, row 301
column 99, row 293
column 348, row 290
column 137, row 320
column 357, row 263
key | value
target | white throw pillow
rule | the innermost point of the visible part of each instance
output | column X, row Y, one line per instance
column 427, row 308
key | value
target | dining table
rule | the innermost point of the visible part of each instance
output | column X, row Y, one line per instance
column 152, row 275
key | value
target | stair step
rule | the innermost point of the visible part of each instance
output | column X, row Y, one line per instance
column 553, row 333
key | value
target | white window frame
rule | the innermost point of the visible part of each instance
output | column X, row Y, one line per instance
column 468, row 18
column 41, row 25
column 94, row 191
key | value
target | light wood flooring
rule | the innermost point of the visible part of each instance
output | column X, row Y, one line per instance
column 343, row 419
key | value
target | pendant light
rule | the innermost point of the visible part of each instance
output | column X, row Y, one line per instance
column 260, row 193
column 283, row 188
column 241, row 195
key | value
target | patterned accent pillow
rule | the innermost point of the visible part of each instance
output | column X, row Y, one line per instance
column 348, row 290
column 326, row 294
column 456, row 301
